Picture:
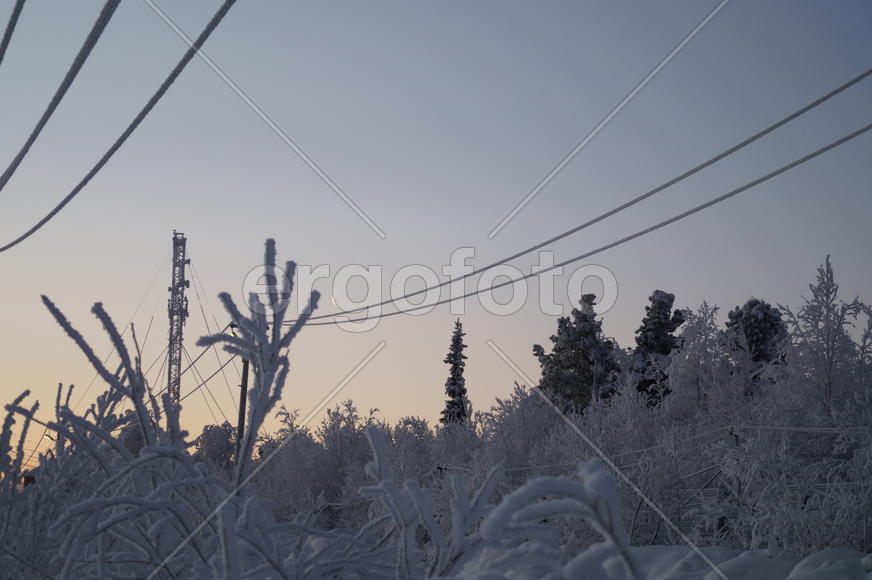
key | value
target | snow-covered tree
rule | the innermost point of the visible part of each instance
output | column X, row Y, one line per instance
column 820, row 335
column 655, row 340
column 581, row 366
column 215, row 445
column 120, row 494
column 699, row 367
column 457, row 406
column 758, row 329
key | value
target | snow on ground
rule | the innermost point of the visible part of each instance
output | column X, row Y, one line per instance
column 681, row 563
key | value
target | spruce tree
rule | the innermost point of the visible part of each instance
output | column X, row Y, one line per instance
column 581, row 365
column 757, row 327
column 655, row 339
column 457, row 406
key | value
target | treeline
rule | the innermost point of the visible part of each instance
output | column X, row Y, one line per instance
column 755, row 433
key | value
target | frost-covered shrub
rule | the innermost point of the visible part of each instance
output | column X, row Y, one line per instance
column 700, row 365
column 215, row 445
column 129, row 494
column 129, row 511
column 821, row 343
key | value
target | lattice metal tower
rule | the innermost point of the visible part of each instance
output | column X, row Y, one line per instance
column 178, row 311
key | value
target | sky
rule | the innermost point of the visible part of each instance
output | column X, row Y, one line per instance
column 436, row 119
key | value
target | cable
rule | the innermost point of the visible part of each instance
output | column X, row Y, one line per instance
column 154, row 362
column 543, row 183
column 127, row 327
column 209, row 331
column 106, row 358
column 194, row 390
column 10, row 28
column 199, row 281
column 160, row 369
column 89, row 44
column 202, row 352
column 621, row 207
column 208, row 390
column 189, row 54
column 205, row 400
column 638, row 234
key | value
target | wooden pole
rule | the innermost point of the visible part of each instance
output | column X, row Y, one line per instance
column 243, row 397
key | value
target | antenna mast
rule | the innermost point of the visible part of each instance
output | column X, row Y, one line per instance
column 178, row 312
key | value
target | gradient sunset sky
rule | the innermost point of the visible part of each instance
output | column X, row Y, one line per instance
column 436, row 119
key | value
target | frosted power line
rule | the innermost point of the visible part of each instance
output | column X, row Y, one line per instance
column 630, row 237
column 10, row 28
column 89, row 44
column 726, row 153
column 608, row 118
column 161, row 91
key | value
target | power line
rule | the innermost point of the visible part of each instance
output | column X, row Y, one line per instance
column 232, row 361
column 212, row 311
column 208, row 390
column 127, row 327
column 163, row 363
column 602, row 124
column 155, row 361
column 202, row 352
column 209, row 378
column 84, row 52
column 106, row 358
column 10, row 28
column 622, row 207
column 161, row 356
column 638, row 234
column 209, row 331
column 164, row 87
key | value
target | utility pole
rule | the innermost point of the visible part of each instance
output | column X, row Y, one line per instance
column 178, row 312
column 243, row 397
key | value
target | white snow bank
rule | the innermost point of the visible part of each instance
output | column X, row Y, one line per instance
column 682, row 563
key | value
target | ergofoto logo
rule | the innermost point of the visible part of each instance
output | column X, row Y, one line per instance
column 263, row 289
